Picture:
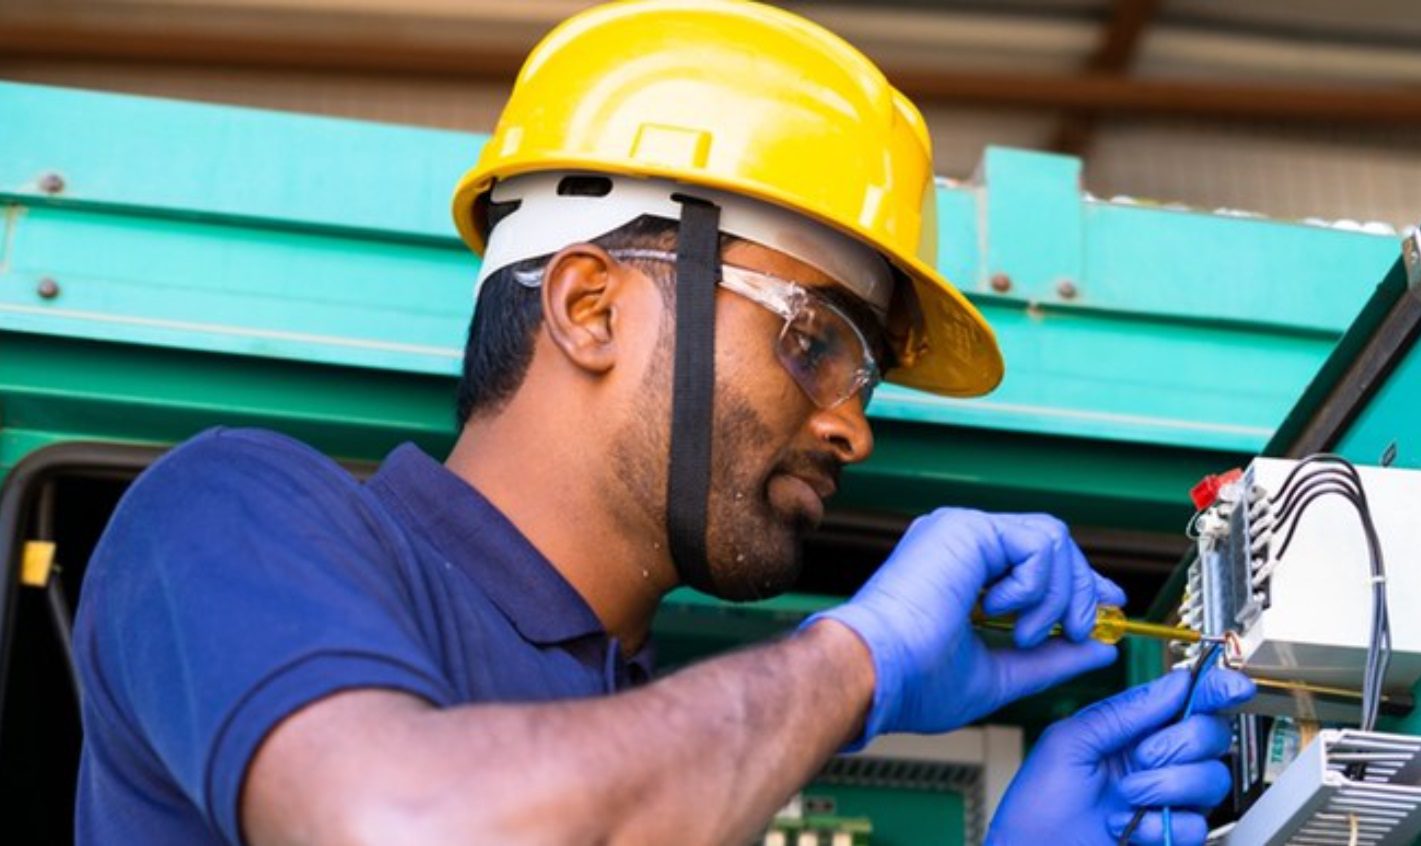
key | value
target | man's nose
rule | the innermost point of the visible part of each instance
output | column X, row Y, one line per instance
column 845, row 429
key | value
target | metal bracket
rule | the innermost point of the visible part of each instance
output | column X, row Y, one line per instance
column 1411, row 254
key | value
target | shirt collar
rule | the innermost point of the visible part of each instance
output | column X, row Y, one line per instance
column 472, row 534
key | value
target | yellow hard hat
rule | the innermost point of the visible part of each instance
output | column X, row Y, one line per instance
column 750, row 100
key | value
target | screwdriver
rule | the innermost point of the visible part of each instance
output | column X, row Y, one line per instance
column 1111, row 626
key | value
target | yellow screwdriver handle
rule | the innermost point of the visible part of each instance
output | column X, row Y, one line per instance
column 1111, row 626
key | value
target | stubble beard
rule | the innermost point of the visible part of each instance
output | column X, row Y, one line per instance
column 752, row 552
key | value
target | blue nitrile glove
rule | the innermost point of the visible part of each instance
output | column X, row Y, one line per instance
column 1089, row 773
column 932, row 672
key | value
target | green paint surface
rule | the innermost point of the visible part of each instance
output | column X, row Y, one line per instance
column 1391, row 421
column 289, row 237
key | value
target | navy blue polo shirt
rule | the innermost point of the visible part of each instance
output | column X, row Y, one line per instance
column 246, row 575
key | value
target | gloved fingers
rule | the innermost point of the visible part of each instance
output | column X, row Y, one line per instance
column 1199, row 738
column 1203, row 784
column 960, row 548
column 1188, row 827
column 1071, row 594
column 1222, row 688
column 1113, row 724
column 1021, row 672
column 1034, row 624
column 1080, row 611
column 1107, row 592
column 1026, row 545
column 1048, row 580
column 1022, row 587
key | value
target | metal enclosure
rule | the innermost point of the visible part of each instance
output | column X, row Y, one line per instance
column 1316, row 802
column 1313, row 626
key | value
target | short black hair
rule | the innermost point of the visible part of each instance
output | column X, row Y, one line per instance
column 507, row 316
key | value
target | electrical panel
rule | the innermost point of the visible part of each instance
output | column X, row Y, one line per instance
column 1308, row 571
column 1284, row 572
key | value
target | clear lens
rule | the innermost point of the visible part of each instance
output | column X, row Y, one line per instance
column 819, row 346
column 825, row 355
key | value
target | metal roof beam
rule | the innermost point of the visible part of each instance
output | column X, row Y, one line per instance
column 1119, row 43
column 375, row 53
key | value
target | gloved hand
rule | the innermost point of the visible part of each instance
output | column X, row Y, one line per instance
column 1088, row 774
column 932, row 671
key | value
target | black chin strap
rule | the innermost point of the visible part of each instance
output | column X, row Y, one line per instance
column 693, row 390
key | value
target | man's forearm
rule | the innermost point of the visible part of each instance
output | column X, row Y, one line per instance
column 703, row 756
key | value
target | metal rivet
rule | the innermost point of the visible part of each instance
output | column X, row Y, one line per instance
column 48, row 288
column 1001, row 283
column 1067, row 289
column 51, row 183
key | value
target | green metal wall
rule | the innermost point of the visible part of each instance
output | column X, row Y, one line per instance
column 223, row 264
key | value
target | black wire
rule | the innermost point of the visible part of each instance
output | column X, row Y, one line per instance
column 1345, row 481
column 1316, row 493
column 1194, row 673
column 1379, row 641
column 64, row 630
column 1315, row 458
column 1313, row 482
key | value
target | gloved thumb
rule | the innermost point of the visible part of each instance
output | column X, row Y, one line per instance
column 1222, row 688
column 1021, row 672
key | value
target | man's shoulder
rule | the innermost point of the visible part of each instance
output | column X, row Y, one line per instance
column 225, row 444
column 224, row 476
column 232, row 455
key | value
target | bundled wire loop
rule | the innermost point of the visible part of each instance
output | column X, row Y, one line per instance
column 1313, row 478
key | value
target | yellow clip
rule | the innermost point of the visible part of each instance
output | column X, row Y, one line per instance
column 37, row 563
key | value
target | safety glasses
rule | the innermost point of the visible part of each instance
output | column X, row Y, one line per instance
column 820, row 347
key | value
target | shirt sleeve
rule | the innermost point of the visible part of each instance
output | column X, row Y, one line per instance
column 241, row 578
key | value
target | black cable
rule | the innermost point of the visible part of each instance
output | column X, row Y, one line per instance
column 1316, row 458
column 64, row 630
column 1313, row 494
column 1345, row 481
column 1314, row 482
column 1379, row 639
column 1195, row 673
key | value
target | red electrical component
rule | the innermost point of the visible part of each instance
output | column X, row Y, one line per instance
column 1204, row 493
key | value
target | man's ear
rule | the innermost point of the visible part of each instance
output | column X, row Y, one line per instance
column 580, row 289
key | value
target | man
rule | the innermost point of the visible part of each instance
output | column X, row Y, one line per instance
column 706, row 229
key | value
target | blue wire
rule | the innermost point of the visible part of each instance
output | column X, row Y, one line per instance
column 1210, row 659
